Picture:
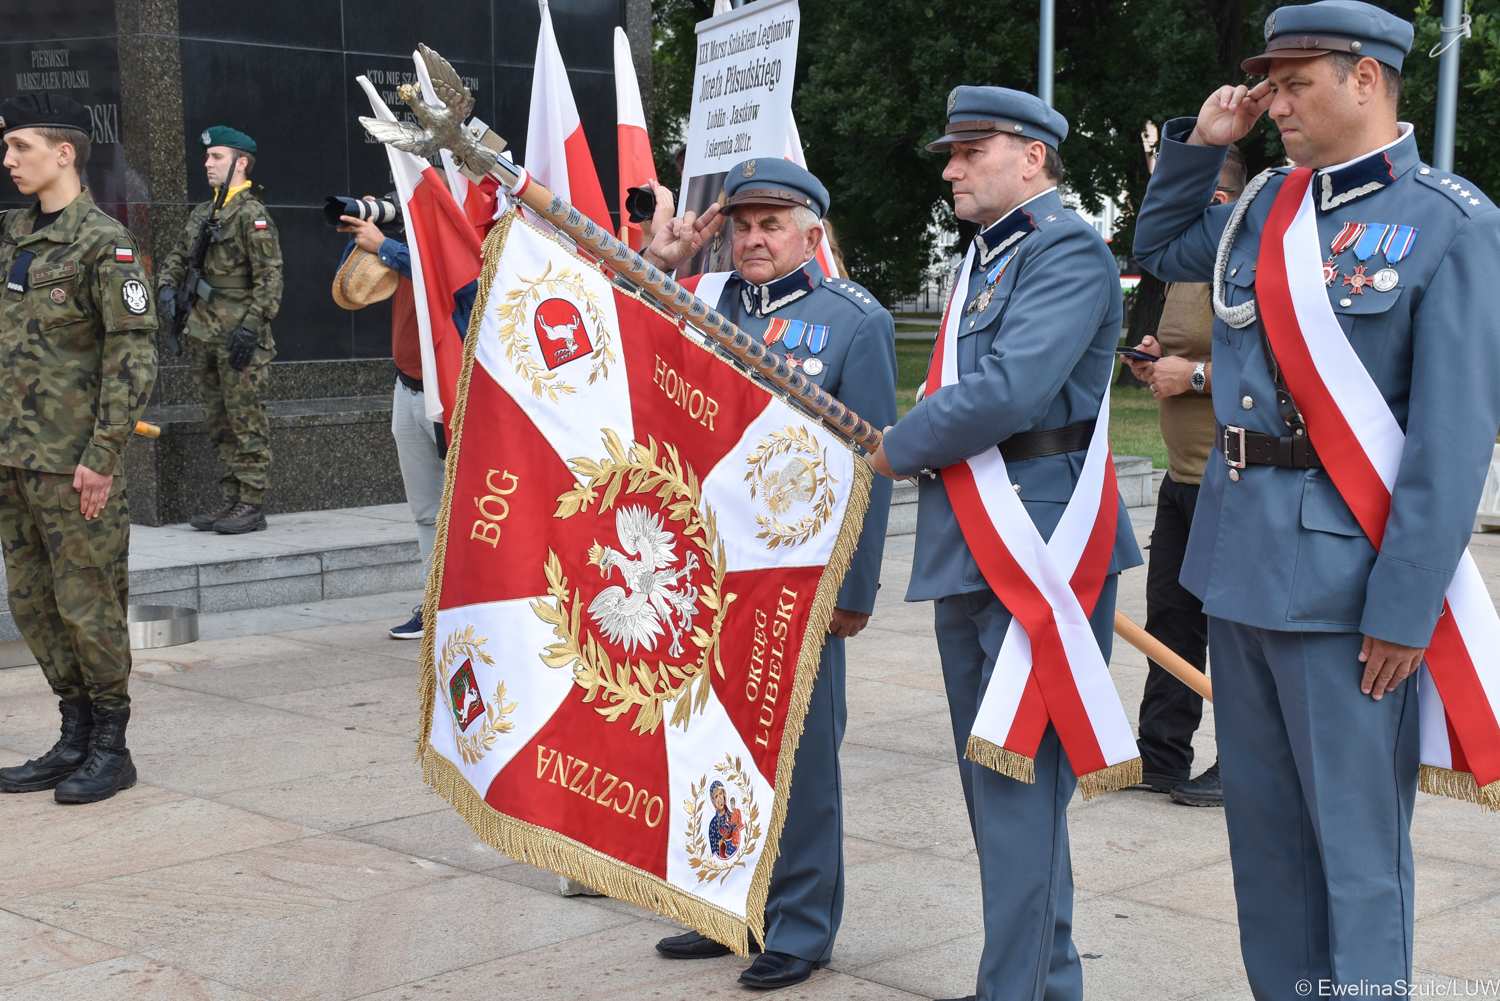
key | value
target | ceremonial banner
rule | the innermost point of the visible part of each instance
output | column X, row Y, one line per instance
column 742, row 106
column 637, row 558
column 633, row 144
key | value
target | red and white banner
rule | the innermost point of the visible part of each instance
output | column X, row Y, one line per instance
column 444, row 251
column 636, row 164
column 1050, row 668
column 637, row 559
column 1361, row 446
column 557, row 152
column 794, row 153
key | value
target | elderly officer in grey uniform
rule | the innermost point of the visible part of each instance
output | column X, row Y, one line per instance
column 844, row 341
column 1035, row 354
column 1311, row 632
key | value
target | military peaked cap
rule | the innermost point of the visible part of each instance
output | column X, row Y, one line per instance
column 1333, row 26
column 980, row 112
column 45, row 111
column 223, row 135
column 774, row 181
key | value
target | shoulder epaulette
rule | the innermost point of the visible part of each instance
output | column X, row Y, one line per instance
column 1463, row 193
column 854, row 292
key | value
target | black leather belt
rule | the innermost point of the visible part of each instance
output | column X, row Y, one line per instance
column 1054, row 441
column 1241, row 448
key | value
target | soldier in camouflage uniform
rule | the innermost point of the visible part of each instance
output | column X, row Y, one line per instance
column 77, row 362
column 229, row 331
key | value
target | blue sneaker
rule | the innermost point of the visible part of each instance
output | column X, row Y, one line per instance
column 411, row 629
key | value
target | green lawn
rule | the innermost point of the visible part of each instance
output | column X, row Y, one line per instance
column 1133, row 422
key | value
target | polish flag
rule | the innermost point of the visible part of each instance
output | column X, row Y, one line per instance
column 557, row 154
column 482, row 203
column 636, row 165
column 794, row 154
column 445, row 257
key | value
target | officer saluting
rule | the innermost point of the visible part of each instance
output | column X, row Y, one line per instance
column 1385, row 265
column 844, row 341
column 1037, row 318
column 77, row 363
column 230, row 327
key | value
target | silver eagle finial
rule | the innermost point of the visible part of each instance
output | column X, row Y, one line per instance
column 441, row 126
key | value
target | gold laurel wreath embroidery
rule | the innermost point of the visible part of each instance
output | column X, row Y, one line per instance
column 701, row 859
column 640, row 469
column 515, row 336
column 784, row 442
column 472, row 747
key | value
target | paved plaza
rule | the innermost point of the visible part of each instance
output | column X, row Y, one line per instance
column 281, row 845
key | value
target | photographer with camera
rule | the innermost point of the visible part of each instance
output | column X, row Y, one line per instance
column 421, row 447
column 221, row 287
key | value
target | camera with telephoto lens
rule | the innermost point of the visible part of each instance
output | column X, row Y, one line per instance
column 381, row 211
column 640, row 203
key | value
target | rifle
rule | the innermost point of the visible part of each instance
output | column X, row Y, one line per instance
column 192, row 287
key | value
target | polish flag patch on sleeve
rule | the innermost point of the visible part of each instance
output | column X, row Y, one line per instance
column 124, row 255
column 260, row 224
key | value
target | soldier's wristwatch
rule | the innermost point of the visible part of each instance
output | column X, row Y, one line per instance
column 1199, row 381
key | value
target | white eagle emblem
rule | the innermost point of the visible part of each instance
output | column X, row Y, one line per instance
column 655, row 602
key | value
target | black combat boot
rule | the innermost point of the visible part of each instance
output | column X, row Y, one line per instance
column 1205, row 790
column 205, row 522
column 242, row 518
column 65, row 758
column 108, row 768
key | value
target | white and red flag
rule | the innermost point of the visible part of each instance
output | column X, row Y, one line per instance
column 1050, row 668
column 638, row 554
column 445, row 256
column 1361, row 445
column 557, row 152
column 794, row 153
column 636, row 164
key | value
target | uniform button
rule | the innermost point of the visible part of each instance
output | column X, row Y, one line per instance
column 1234, row 474
column 1247, row 403
column 1346, row 302
column 1425, row 170
column 1016, row 487
column 1234, row 272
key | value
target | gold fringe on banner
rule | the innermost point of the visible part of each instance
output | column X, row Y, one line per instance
column 1458, row 785
column 548, row 849
column 1120, row 776
column 1000, row 759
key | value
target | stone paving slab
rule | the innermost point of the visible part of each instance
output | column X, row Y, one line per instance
column 281, row 844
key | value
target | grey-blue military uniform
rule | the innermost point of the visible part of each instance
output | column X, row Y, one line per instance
column 1319, row 779
column 1035, row 353
column 845, row 342
column 857, row 366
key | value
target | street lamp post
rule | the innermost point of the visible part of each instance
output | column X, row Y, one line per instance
column 1447, row 100
column 1044, row 54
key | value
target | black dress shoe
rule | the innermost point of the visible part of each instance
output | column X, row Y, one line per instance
column 205, row 522
column 777, row 969
column 1151, row 782
column 65, row 757
column 1204, row 790
column 696, row 946
column 108, row 768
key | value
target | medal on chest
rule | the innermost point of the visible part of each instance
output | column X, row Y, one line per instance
column 1393, row 242
column 991, row 280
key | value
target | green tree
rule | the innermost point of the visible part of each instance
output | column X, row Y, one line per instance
column 1476, row 147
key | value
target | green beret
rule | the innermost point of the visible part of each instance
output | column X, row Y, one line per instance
column 223, row 135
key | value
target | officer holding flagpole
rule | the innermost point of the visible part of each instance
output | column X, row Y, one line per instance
column 844, row 342
column 1355, row 371
column 1025, row 360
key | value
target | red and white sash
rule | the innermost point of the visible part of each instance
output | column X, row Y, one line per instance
column 1049, row 667
column 1360, row 443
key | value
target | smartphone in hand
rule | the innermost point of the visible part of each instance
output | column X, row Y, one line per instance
column 1126, row 351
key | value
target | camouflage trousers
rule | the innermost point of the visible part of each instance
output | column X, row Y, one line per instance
column 69, row 583
column 234, row 408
